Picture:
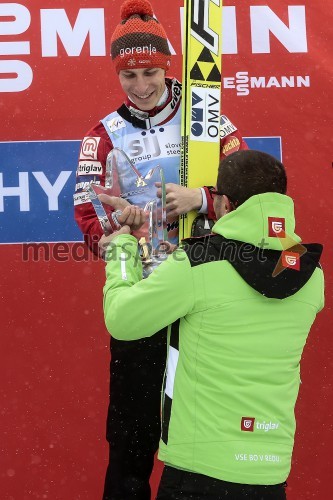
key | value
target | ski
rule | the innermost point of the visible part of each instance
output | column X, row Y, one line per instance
column 201, row 98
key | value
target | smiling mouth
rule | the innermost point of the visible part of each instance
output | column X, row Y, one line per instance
column 145, row 96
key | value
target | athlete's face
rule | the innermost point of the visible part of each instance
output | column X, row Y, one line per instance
column 143, row 86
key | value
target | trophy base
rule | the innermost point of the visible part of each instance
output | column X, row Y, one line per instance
column 148, row 266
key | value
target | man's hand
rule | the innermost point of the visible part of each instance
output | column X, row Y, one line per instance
column 106, row 240
column 167, row 247
column 179, row 199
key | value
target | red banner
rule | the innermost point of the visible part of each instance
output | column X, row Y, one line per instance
column 56, row 81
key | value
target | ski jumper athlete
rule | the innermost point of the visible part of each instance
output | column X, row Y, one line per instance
column 240, row 304
column 147, row 128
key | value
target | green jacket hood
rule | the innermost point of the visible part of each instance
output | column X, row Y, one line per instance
column 255, row 220
column 258, row 239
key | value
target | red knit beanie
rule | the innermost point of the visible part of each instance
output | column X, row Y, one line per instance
column 139, row 41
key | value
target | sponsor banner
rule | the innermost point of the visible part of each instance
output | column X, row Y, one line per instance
column 66, row 29
column 37, row 181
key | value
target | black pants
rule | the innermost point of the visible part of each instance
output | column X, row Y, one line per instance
column 180, row 485
column 133, row 422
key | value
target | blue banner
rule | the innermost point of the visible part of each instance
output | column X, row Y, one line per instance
column 37, row 181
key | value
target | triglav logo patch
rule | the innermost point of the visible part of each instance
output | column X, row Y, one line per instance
column 290, row 260
column 247, row 424
column 276, row 227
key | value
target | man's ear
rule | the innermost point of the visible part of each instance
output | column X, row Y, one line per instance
column 227, row 205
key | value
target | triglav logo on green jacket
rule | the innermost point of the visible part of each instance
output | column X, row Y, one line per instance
column 292, row 250
column 248, row 424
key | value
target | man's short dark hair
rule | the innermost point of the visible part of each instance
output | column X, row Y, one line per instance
column 246, row 173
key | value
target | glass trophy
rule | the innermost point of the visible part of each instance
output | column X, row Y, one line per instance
column 124, row 180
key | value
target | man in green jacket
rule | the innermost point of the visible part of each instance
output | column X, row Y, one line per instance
column 240, row 304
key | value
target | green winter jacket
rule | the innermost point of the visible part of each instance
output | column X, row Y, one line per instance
column 235, row 339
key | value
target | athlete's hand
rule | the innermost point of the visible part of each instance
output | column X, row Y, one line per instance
column 134, row 217
column 128, row 214
column 179, row 199
column 118, row 204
